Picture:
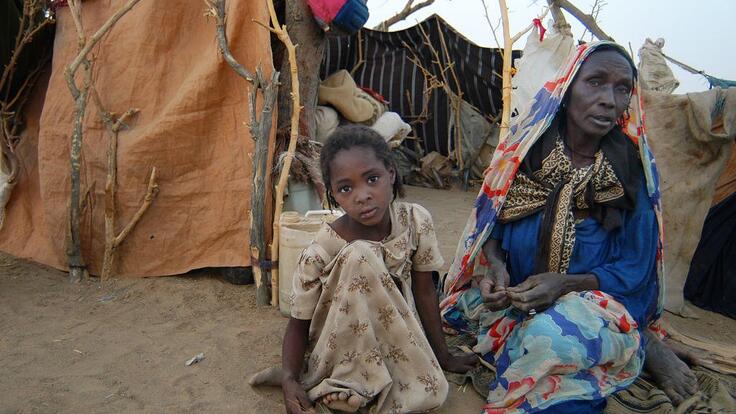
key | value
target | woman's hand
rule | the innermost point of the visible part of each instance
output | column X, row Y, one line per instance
column 295, row 398
column 493, row 289
column 459, row 364
column 493, row 286
column 537, row 292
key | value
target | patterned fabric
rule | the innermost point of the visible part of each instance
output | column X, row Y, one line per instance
column 529, row 194
column 603, row 358
column 528, row 127
column 587, row 345
column 365, row 335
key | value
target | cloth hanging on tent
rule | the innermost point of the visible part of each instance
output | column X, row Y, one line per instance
column 538, row 63
column 720, row 83
column 353, row 103
column 711, row 283
column 654, row 74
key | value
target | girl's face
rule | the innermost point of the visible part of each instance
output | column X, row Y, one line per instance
column 362, row 185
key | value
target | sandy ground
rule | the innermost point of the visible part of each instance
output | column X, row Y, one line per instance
column 121, row 346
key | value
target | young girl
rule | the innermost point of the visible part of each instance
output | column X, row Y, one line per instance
column 363, row 294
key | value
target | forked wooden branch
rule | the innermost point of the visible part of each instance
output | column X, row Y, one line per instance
column 77, row 267
column 217, row 10
column 113, row 241
column 260, row 129
column 409, row 9
column 283, row 36
column 587, row 20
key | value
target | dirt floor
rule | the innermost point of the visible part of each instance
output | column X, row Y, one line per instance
column 121, row 346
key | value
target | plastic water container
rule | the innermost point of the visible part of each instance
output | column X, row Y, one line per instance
column 296, row 232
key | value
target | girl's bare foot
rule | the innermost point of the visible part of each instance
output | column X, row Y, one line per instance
column 341, row 401
column 269, row 376
column 670, row 373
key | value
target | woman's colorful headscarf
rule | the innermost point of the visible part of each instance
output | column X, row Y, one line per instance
column 526, row 129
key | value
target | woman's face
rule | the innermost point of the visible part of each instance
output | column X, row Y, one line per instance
column 600, row 94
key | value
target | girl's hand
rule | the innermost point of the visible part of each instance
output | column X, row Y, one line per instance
column 459, row 364
column 493, row 289
column 537, row 292
column 295, row 398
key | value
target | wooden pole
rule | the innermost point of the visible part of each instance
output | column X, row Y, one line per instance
column 506, row 73
column 77, row 267
column 260, row 130
column 283, row 35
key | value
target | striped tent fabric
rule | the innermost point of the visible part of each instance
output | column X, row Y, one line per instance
column 381, row 61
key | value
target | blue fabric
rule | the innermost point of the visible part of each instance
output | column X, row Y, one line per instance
column 577, row 407
column 352, row 16
column 570, row 353
column 623, row 260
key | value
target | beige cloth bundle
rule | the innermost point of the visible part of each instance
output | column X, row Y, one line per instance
column 355, row 105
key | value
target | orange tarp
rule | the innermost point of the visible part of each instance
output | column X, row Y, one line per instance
column 161, row 58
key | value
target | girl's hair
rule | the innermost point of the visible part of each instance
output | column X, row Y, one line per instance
column 349, row 136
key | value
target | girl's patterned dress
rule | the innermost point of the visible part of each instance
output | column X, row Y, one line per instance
column 365, row 336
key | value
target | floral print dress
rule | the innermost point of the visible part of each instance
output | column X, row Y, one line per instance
column 365, row 336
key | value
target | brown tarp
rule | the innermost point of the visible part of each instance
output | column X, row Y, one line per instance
column 161, row 58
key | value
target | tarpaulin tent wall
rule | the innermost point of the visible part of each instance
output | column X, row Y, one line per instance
column 161, row 58
column 385, row 67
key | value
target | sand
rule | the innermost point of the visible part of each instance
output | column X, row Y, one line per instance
column 121, row 346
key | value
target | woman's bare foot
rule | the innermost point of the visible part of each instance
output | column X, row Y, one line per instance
column 341, row 401
column 670, row 373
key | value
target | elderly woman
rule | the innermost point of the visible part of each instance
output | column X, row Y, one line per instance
column 559, row 268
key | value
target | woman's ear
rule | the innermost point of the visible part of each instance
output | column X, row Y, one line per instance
column 392, row 174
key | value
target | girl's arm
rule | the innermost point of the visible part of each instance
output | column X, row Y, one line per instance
column 428, row 308
column 294, row 347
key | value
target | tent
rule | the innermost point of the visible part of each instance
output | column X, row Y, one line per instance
column 161, row 58
column 384, row 62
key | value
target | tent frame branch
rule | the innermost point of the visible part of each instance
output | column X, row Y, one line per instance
column 76, row 263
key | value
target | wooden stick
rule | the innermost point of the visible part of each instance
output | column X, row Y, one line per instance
column 409, row 9
column 283, row 35
column 587, row 20
column 112, row 241
column 88, row 45
column 561, row 23
column 217, row 10
column 151, row 192
column 260, row 129
column 77, row 267
column 506, row 83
